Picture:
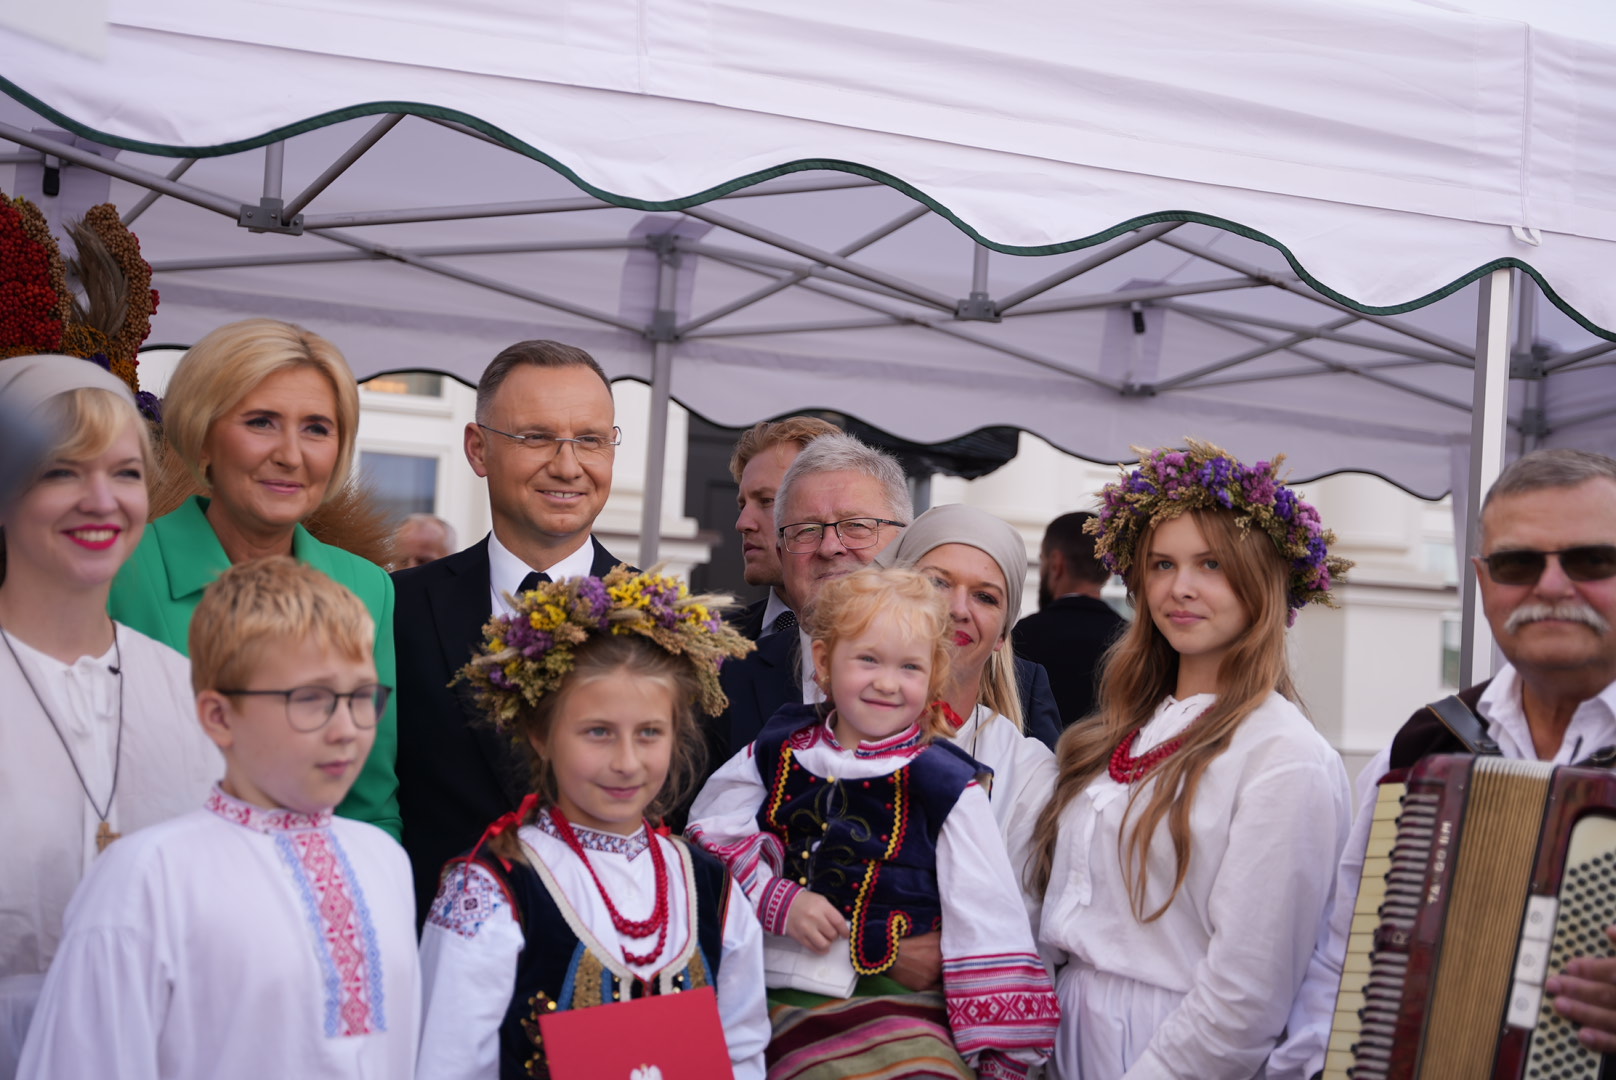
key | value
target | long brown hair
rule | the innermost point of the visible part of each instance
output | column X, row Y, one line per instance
column 1140, row 670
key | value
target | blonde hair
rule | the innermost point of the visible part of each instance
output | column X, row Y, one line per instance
column 1000, row 691
column 1140, row 670
column 228, row 363
column 846, row 606
column 261, row 605
column 89, row 420
column 798, row 431
column 601, row 657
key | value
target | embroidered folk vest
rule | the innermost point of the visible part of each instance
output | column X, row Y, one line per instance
column 869, row 846
column 556, row 970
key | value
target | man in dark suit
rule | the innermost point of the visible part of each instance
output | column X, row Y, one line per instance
column 545, row 440
column 834, row 479
column 1073, row 626
column 759, row 463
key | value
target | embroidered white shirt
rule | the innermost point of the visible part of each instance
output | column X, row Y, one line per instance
column 236, row 940
column 998, row 992
column 472, row 940
column 1217, row 972
column 506, row 571
column 1593, row 727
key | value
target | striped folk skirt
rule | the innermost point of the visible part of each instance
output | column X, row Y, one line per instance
column 867, row 1038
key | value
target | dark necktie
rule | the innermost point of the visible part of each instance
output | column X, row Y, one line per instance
column 531, row 582
column 786, row 620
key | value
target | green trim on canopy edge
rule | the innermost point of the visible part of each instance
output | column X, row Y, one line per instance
column 376, row 108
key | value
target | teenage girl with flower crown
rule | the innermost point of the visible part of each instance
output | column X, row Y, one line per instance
column 1188, row 854
column 574, row 900
column 847, row 821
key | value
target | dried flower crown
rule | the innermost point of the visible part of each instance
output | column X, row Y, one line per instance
column 1201, row 476
column 528, row 653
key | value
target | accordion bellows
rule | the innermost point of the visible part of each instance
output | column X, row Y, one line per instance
column 1483, row 877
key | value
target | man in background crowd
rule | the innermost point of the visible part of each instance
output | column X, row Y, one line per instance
column 1073, row 626
column 420, row 539
column 762, row 456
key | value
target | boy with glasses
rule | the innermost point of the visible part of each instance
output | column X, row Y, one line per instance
column 259, row 935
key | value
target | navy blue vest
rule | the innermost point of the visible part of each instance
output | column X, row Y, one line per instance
column 557, row 971
column 867, row 846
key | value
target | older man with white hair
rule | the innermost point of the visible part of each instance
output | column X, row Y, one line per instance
column 1547, row 571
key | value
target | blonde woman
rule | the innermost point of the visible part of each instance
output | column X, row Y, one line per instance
column 98, row 736
column 1190, row 848
column 264, row 414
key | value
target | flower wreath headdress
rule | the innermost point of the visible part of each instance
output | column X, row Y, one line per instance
column 528, row 653
column 1201, row 476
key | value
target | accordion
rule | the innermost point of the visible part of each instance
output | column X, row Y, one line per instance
column 1483, row 877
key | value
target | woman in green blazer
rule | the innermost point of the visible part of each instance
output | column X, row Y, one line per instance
column 265, row 415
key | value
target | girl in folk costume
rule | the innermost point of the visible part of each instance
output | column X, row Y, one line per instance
column 574, row 900
column 1188, row 854
column 848, row 820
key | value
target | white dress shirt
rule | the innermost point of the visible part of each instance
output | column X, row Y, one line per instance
column 506, row 571
column 1593, row 726
column 1203, row 991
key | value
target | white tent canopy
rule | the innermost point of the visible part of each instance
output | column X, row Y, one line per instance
column 1110, row 225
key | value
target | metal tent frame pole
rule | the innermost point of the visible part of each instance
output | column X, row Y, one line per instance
column 660, row 334
column 1489, row 427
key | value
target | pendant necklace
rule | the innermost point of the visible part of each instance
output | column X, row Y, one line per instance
column 634, row 928
column 104, row 835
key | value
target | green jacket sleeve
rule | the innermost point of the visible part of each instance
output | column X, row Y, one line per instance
column 374, row 796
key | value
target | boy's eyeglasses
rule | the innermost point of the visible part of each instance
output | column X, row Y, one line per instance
column 854, row 533
column 1592, row 562
column 310, row 708
column 545, row 446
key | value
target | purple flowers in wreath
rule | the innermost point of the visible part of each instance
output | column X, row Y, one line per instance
column 1201, row 476
column 528, row 653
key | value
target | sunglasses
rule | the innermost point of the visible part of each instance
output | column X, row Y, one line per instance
column 1594, row 562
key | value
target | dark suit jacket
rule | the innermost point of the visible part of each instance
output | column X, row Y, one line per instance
column 749, row 620
column 455, row 773
column 1068, row 638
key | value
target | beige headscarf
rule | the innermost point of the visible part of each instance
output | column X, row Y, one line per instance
column 27, row 384
column 957, row 524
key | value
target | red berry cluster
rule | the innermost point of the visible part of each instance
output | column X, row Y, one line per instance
column 33, row 285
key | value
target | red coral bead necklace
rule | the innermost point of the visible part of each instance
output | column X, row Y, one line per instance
column 1127, row 769
column 657, row 923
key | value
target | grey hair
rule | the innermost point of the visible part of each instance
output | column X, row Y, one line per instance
column 432, row 519
column 1548, row 469
column 843, row 453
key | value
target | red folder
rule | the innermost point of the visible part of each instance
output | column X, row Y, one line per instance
column 665, row 1037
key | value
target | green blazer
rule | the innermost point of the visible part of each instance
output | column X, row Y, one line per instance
column 158, row 589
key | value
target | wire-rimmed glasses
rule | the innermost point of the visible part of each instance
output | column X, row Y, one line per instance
column 854, row 533
column 545, row 446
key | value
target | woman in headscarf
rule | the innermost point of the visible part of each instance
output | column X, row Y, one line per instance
column 981, row 563
column 264, row 415
column 98, row 735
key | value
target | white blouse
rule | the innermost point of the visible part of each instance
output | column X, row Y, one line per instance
column 236, row 940
column 48, row 842
column 1024, row 774
column 998, row 993
column 469, row 951
column 1270, row 818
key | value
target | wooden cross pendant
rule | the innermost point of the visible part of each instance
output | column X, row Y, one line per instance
column 104, row 836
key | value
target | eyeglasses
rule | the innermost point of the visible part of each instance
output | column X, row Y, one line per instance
column 310, row 708
column 545, row 446
column 854, row 533
column 1592, row 562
